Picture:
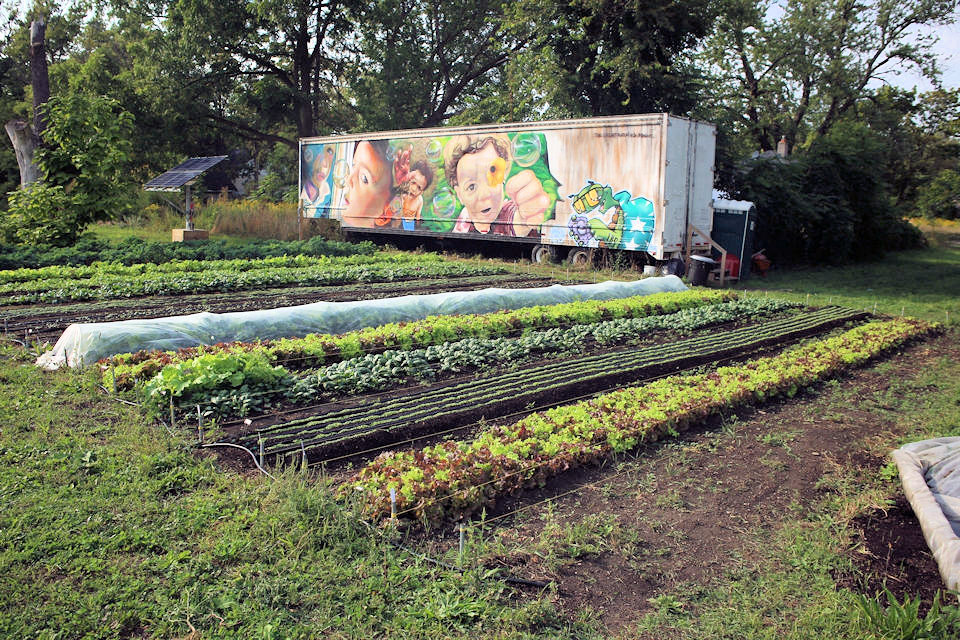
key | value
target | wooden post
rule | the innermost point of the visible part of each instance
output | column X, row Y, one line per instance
column 299, row 219
column 691, row 229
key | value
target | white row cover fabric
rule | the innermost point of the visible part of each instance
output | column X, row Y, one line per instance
column 86, row 343
column 930, row 474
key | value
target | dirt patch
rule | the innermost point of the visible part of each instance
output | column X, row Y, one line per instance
column 684, row 510
column 889, row 550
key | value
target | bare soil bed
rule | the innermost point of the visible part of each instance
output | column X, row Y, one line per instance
column 680, row 513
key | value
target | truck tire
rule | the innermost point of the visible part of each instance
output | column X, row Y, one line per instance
column 580, row 257
column 543, row 254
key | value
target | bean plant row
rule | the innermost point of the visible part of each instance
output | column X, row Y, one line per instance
column 495, row 395
column 318, row 349
column 457, row 478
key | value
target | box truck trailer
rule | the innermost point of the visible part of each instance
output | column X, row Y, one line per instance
column 639, row 183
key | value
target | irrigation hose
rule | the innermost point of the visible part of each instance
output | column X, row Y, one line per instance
column 242, row 448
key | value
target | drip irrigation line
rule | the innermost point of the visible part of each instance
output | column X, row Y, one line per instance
column 242, row 448
column 505, row 417
column 112, row 397
column 446, row 565
column 500, row 418
column 582, row 487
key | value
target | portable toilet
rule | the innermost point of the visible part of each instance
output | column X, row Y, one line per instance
column 734, row 229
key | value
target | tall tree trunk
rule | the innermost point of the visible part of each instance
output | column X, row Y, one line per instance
column 25, row 142
column 25, row 138
column 39, row 77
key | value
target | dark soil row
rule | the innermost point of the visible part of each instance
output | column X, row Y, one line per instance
column 381, row 419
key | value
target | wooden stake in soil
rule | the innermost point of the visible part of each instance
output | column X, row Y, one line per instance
column 173, row 419
column 303, row 452
column 463, row 533
column 199, row 425
column 393, row 503
column 261, row 451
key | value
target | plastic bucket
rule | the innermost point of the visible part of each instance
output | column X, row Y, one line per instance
column 649, row 269
column 700, row 266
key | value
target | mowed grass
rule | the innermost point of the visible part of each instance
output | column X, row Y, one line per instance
column 792, row 593
column 923, row 283
column 113, row 528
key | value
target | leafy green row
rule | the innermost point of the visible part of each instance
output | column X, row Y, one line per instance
column 376, row 372
column 209, row 281
column 455, row 479
column 54, row 277
column 317, row 349
column 89, row 249
column 496, row 395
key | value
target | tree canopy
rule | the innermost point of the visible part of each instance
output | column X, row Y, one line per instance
column 249, row 77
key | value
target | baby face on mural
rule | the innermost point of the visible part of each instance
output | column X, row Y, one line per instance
column 479, row 184
column 368, row 186
column 477, row 168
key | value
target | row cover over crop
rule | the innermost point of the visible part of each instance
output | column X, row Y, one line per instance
column 125, row 370
column 87, row 343
column 496, row 395
column 455, row 479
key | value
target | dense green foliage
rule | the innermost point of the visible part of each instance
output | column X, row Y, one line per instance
column 827, row 205
column 940, row 198
column 84, row 172
column 132, row 251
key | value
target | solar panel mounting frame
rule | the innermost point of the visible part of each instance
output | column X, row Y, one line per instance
column 182, row 174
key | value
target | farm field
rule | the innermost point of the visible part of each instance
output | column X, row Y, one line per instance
column 46, row 324
column 761, row 507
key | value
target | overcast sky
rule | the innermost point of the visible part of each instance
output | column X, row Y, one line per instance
column 948, row 51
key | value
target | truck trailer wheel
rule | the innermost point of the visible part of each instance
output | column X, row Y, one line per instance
column 580, row 257
column 543, row 254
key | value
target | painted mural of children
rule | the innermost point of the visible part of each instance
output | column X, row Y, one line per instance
column 416, row 182
column 476, row 168
column 369, row 186
column 315, row 168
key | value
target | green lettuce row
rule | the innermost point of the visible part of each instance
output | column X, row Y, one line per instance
column 318, row 349
column 455, row 479
column 222, row 281
column 52, row 277
column 498, row 394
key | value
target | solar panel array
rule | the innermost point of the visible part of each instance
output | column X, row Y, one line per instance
column 182, row 173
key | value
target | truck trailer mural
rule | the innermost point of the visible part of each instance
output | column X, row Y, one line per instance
column 629, row 183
